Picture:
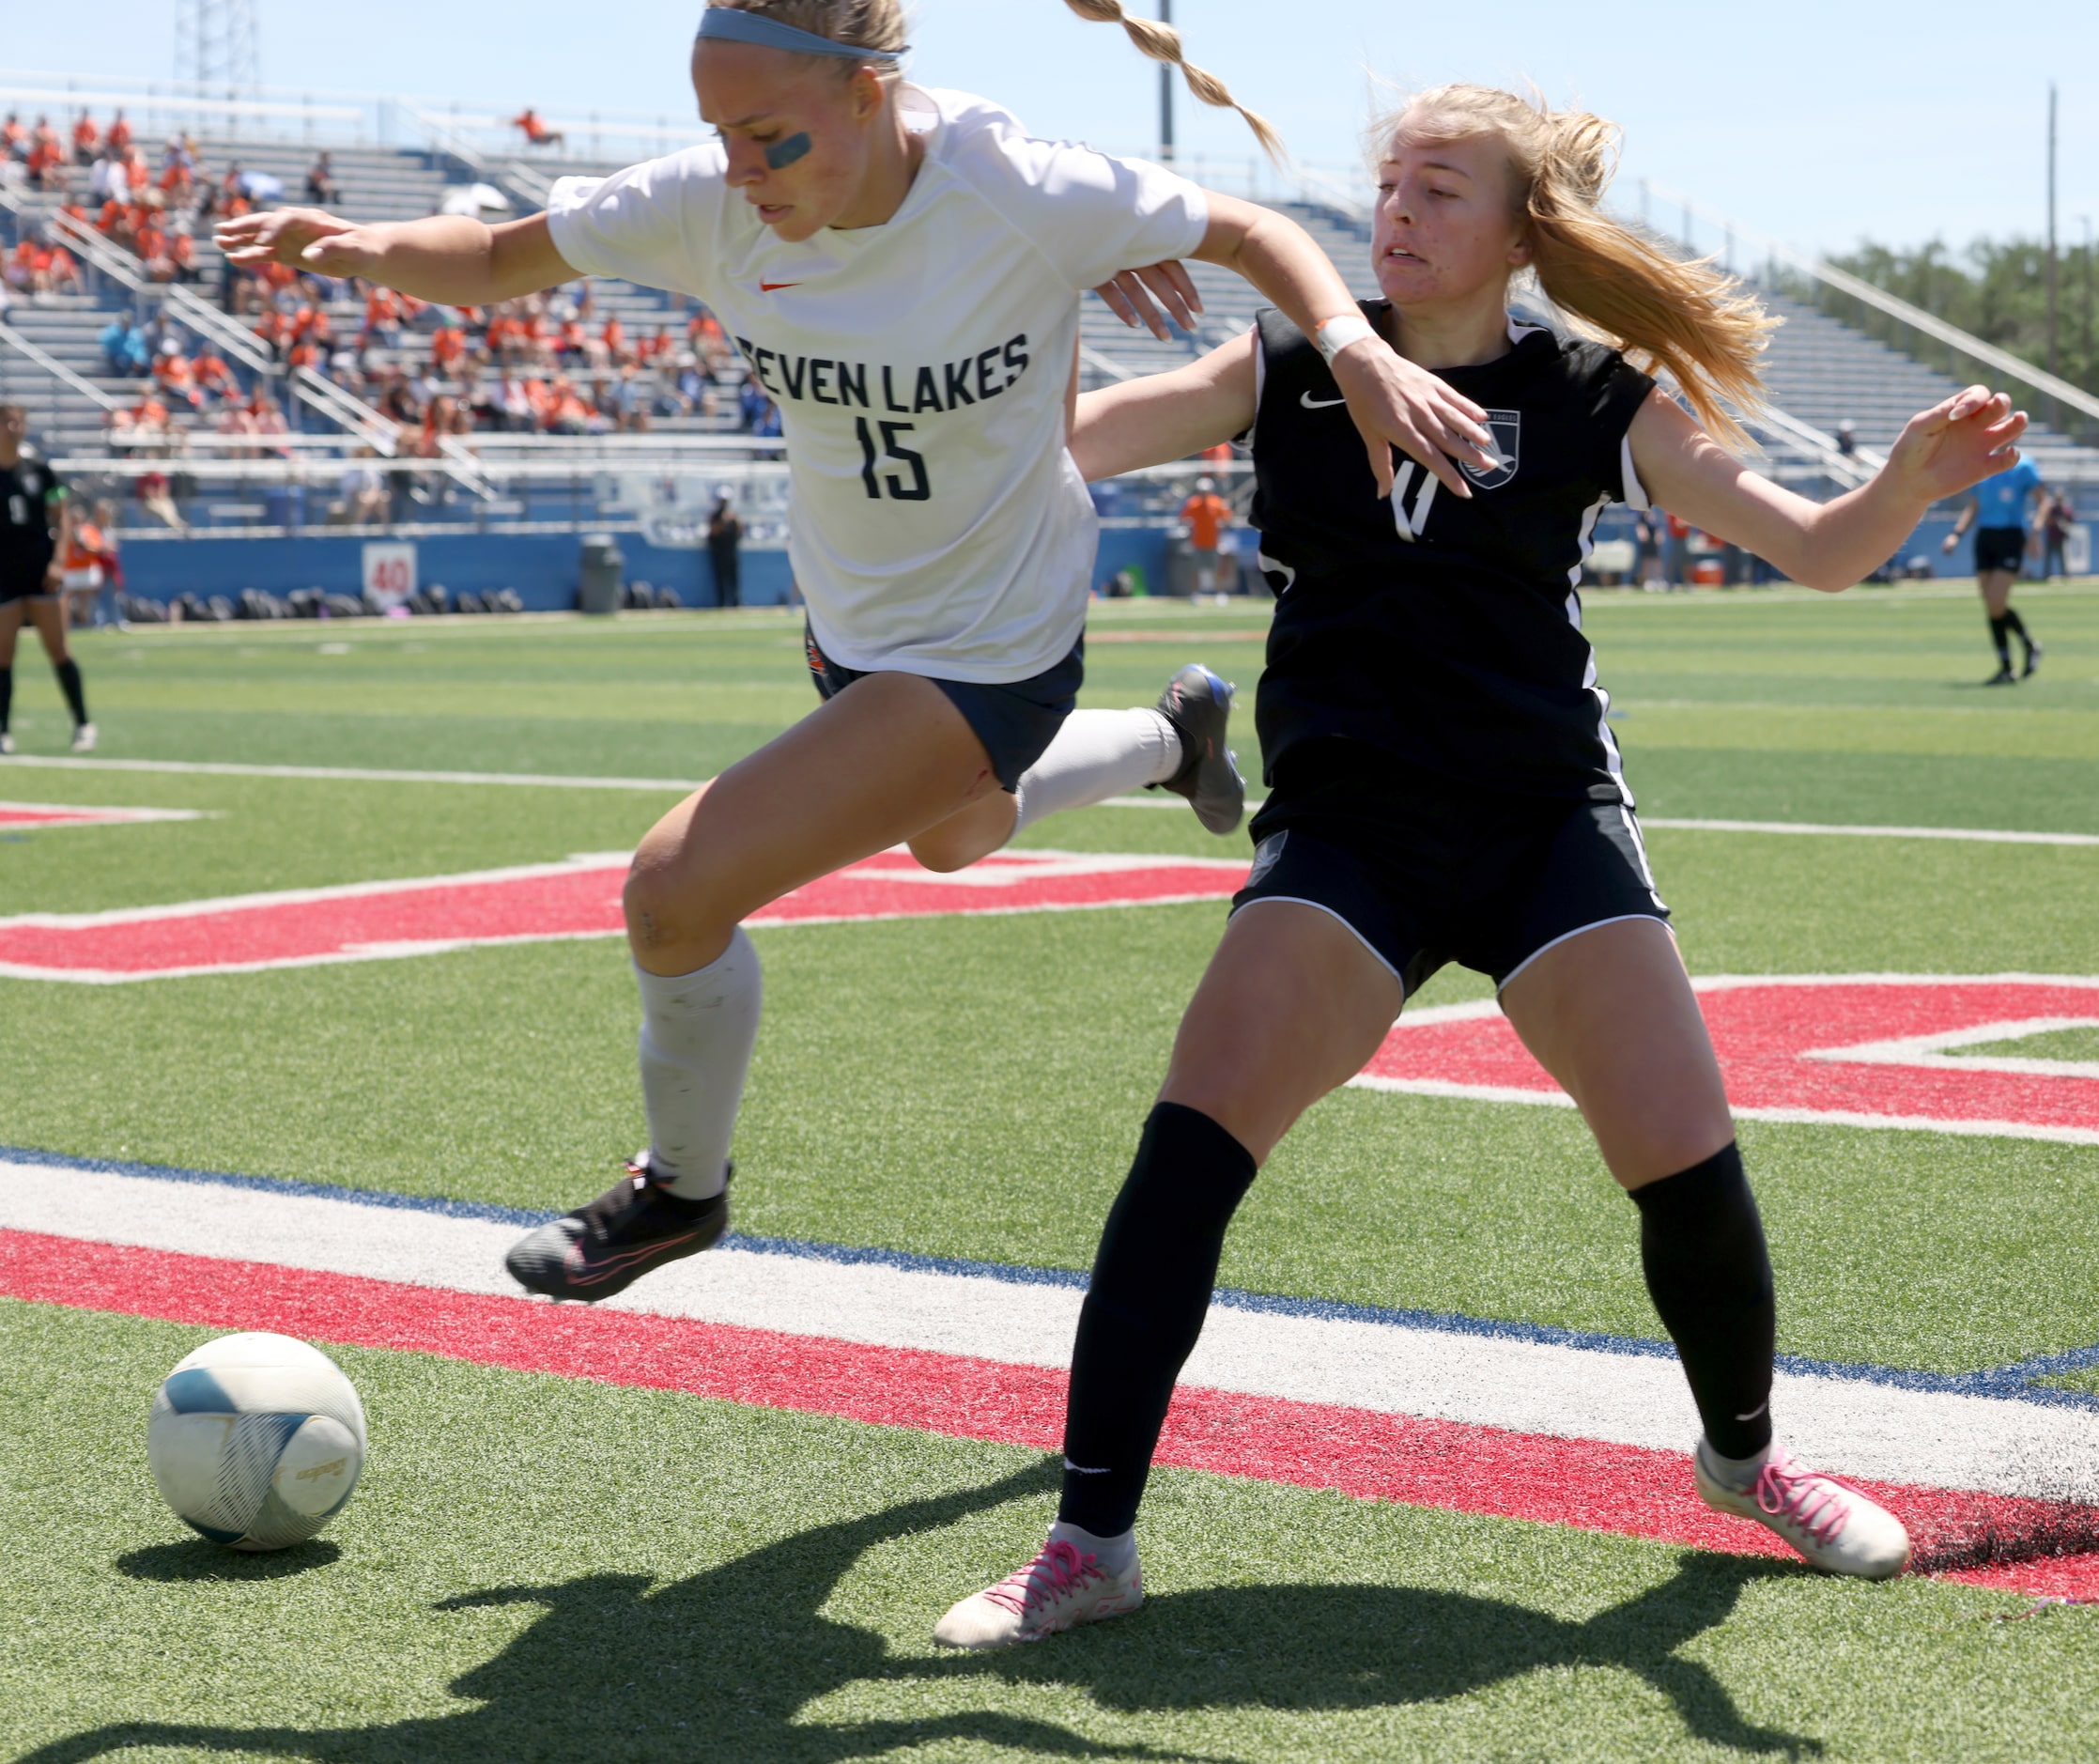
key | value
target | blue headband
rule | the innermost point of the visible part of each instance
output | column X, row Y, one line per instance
column 732, row 25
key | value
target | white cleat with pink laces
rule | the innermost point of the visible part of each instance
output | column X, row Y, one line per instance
column 1833, row 1526
column 1063, row 1586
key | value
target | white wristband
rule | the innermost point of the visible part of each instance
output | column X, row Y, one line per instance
column 1338, row 334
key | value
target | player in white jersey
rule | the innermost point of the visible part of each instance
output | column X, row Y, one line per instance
column 902, row 271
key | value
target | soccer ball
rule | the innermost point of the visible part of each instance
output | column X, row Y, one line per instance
column 255, row 1441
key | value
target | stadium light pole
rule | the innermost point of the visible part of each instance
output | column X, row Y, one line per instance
column 1166, row 95
column 2091, row 366
column 2051, row 230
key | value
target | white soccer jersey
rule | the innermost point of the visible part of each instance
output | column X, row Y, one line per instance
column 921, row 368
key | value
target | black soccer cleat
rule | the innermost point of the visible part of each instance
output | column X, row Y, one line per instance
column 2003, row 676
column 1199, row 706
column 603, row 1248
column 2033, row 660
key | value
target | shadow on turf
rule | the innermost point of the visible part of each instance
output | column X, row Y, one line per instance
column 199, row 1560
column 722, row 1664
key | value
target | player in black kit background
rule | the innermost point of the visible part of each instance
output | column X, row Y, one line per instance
column 1445, row 786
column 35, row 521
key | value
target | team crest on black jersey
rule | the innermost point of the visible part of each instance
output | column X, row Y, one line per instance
column 1508, row 435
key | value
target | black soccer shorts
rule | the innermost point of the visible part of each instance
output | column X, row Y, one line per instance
column 1999, row 548
column 1427, row 873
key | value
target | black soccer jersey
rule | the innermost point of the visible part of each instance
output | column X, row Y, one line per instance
column 29, row 493
column 1446, row 631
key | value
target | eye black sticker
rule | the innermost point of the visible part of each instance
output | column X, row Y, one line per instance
column 782, row 154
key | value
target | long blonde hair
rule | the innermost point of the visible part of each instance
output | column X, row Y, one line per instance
column 878, row 24
column 1685, row 318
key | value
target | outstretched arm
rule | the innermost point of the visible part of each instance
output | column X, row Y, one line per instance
column 1163, row 417
column 1395, row 403
column 1829, row 546
column 448, row 259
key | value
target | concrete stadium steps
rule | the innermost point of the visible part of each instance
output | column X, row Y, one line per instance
column 66, row 328
column 1824, row 371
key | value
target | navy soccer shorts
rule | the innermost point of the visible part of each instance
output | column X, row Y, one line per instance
column 1015, row 722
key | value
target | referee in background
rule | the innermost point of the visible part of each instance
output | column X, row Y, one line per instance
column 35, row 524
column 1998, row 512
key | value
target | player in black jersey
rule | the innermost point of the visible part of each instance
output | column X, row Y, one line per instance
column 1445, row 787
column 35, row 524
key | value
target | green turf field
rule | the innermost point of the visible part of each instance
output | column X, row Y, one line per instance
column 973, row 1088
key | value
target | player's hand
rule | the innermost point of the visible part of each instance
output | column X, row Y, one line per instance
column 1397, row 404
column 1949, row 544
column 306, row 238
column 1957, row 444
column 1136, row 296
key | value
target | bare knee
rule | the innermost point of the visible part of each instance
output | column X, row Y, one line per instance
column 945, row 849
column 674, row 922
column 979, row 828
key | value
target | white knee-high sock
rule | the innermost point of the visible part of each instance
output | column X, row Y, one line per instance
column 696, row 1031
column 1097, row 754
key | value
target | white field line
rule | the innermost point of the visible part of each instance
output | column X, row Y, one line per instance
column 97, row 817
column 1826, row 829
column 545, row 780
column 1853, row 1426
column 350, row 774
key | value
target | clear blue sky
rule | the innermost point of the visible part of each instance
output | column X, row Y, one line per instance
column 1818, row 120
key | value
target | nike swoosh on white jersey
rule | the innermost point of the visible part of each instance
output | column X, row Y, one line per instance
column 1311, row 403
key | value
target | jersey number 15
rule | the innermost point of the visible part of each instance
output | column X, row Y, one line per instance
column 921, row 487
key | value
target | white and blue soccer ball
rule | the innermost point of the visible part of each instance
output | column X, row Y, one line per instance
column 257, row 1441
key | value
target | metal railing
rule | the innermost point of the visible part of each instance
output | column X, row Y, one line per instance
column 2069, row 409
column 50, row 365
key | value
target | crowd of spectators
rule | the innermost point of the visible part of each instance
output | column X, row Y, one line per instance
column 546, row 363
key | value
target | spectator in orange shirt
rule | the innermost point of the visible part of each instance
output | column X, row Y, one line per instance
column 214, row 379
column 175, row 376
column 536, row 132
column 65, row 272
column 615, row 342
column 87, row 140
column 14, row 138
column 1208, row 515
column 119, row 134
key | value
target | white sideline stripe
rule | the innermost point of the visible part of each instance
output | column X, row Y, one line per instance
column 349, row 774
column 1829, row 829
column 546, row 781
column 1987, row 836
column 97, row 818
column 1852, row 1427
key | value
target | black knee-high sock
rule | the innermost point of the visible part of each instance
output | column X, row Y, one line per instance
column 1145, row 1307
column 7, row 696
column 2001, row 634
column 1702, row 1245
column 2017, row 625
column 68, row 671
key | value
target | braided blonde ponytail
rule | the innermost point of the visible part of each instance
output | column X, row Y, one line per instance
column 1161, row 42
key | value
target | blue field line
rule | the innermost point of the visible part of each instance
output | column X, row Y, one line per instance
column 2012, row 1383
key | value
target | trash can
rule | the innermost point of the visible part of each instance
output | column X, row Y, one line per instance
column 604, row 573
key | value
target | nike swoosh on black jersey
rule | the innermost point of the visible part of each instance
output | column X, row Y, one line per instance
column 1311, row 403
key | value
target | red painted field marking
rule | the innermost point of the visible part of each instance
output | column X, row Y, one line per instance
column 374, row 921
column 1886, row 1050
column 36, row 816
column 1629, row 1490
